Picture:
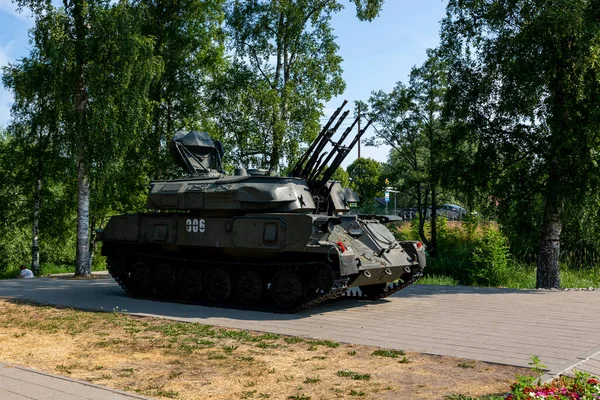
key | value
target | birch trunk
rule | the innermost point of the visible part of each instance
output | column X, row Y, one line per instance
column 37, row 201
column 35, row 231
column 548, row 276
column 82, row 260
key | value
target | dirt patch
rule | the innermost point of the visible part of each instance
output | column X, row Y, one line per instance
column 165, row 359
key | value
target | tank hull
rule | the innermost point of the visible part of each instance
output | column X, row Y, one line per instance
column 276, row 261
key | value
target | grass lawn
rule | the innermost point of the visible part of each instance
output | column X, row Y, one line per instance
column 164, row 359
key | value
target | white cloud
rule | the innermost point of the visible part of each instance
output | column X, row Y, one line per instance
column 6, row 98
column 10, row 8
column 5, row 51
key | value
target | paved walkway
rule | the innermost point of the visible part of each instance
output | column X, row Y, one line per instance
column 18, row 383
column 504, row 326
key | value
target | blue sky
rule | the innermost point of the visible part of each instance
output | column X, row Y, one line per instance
column 376, row 54
column 380, row 53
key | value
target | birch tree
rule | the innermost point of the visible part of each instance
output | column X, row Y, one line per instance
column 525, row 80
column 104, row 66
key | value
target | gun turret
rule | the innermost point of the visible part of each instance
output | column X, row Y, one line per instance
column 336, row 148
column 311, row 163
column 318, row 166
column 342, row 153
column 300, row 166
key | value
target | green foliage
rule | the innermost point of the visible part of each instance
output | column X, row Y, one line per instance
column 14, row 248
column 470, row 223
column 285, row 67
column 409, row 120
column 437, row 280
column 366, row 179
column 123, row 57
column 354, row 375
column 388, row 353
column 287, row 53
column 463, row 257
column 326, row 343
column 81, row 103
column 489, row 260
column 523, row 75
column 483, row 258
column 368, row 9
column 189, row 42
column 342, row 177
column 581, row 386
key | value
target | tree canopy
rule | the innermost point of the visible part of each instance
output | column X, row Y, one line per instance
column 409, row 120
column 366, row 180
column 525, row 80
column 286, row 65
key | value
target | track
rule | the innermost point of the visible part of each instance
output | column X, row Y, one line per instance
column 339, row 287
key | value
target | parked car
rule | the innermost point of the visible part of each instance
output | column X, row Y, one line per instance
column 452, row 211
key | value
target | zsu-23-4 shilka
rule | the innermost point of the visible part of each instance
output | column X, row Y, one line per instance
column 257, row 240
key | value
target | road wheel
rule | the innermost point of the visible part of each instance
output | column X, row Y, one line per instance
column 287, row 289
column 217, row 284
column 165, row 281
column 249, row 287
column 117, row 266
column 141, row 279
column 191, row 283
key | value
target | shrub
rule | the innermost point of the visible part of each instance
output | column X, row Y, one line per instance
column 470, row 223
column 489, row 259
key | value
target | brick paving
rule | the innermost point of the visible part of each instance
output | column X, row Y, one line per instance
column 504, row 326
column 591, row 365
column 18, row 383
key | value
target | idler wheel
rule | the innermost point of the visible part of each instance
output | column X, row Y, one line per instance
column 165, row 281
column 141, row 279
column 317, row 281
column 191, row 284
column 287, row 289
column 373, row 292
column 324, row 279
column 217, row 284
column 249, row 287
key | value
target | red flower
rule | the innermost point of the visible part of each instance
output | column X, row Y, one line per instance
column 592, row 381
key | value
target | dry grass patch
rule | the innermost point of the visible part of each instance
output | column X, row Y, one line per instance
column 166, row 359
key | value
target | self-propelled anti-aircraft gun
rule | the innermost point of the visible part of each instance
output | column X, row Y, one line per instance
column 255, row 239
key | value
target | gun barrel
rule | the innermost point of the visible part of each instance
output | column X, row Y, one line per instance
column 308, row 168
column 336, row 148
column 340, row 158
column 296, row 171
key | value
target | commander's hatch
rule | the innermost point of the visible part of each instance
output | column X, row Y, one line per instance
column 196, row 152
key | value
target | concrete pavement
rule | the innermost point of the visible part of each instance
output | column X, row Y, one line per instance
column 504, row 326
column 17, row 383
